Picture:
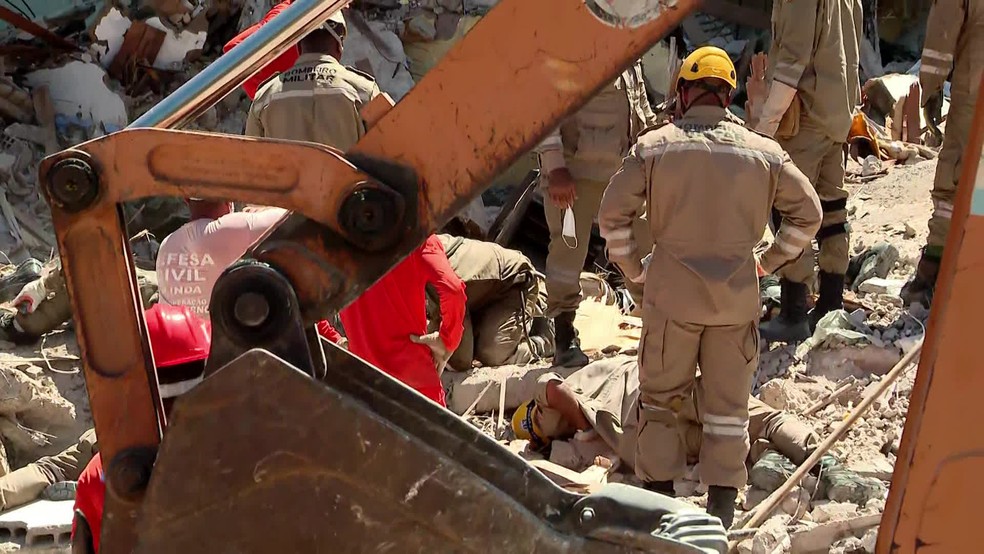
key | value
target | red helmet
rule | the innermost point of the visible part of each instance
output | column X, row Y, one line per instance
column 177, row 335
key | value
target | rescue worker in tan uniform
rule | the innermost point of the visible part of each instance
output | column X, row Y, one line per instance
column 576, row 162
column 954, row 40
column 506, row 300
column 318, row 99
column 709, row 184
column 813, row 65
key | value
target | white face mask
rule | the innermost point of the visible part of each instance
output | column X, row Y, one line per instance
column 570, row 230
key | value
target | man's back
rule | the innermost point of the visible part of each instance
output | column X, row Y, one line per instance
column 711, row 185
column 316, row 100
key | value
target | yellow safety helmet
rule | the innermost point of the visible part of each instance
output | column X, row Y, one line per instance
column 708, row 62
column 525, row 426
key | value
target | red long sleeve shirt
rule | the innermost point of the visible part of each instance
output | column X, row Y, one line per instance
column 379, row 323
column 90, row 495
column 283, row 62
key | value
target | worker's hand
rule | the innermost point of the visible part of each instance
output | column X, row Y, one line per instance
column 560, row 188
column 641, row 278
column 30, row 296
column 758, row 268
column 933, row 111
column 437, row 348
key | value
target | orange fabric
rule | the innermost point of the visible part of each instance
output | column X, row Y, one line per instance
column 279, row 65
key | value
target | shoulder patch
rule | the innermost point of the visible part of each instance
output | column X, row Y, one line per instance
column 360, row 73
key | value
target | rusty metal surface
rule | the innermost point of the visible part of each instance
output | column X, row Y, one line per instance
column 934, row 501
column 260, row 458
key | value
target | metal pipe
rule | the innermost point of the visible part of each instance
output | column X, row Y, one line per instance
column 204, row 90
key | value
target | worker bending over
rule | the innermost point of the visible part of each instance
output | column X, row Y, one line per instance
column 603, row 396
column 813, row 64
column 504, row 321
column 954, row 41
column 709, row 183
column 320, row 100
column 193, row 257
column 180, row 342
column 576, row 162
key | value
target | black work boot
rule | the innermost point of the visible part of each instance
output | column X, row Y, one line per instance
column 791, row 325
column 920, row 288
column 11, row 284
column 567, row 347
column 9, row 331
column 831, row 297
column 721, row 503
column 662, row 487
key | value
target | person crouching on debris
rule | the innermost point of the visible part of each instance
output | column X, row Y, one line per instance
column 506, row 302
column 710, row 184
column 180, row 342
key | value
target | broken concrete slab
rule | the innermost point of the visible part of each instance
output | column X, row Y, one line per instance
column 110, row 34
column 772, row 537
column 852, row 361
column 818, row 539
column 783, row 394
column 877, row 467
column 464, row 387
column 82, row 98
column 877, row 285
column 40, row 523
column 826, row 511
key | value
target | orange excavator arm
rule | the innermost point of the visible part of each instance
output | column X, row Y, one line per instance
column 937, row 487
column 285, row 447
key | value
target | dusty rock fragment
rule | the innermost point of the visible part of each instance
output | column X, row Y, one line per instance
column 772, row 537
column 824, row 512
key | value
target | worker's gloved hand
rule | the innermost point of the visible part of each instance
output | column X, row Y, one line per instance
column 560, row 188
column 641, row 278
column 438, row 350
column 30, row 296
column 933, row 110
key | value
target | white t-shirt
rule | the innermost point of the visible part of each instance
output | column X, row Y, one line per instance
column 192, row 258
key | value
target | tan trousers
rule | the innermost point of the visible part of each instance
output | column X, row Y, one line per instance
column 669, row 354
column 27, row 483
column 948, row 168
column 822, row 161
column 565, row 260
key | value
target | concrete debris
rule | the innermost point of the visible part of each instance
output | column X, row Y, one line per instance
column 41, row 524
column 31, row 412
column 820, row 538
column 783, row 395
column 825, row 511
column 86, row 107
column 877, row 285
column 772, row 537
column 373, row 47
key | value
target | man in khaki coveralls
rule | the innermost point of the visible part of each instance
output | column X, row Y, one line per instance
column 954, row 39
column 283, row 107
column 709, row 184
column 813, row 64
column 576, row 162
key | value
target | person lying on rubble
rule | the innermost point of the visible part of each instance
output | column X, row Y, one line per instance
column 50, row 477
column 180, row 342
column 42, row 305
column 320, row 100
column 603, row 396
column 504, row 314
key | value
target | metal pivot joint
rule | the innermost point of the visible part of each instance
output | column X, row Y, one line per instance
column 73, row 184
column 128, row 473
column 372, row 216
